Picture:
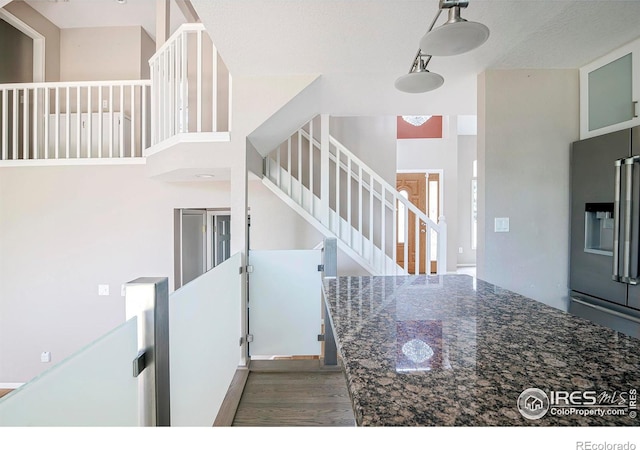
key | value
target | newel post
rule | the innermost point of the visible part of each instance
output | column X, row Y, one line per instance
column 148, row 300
column 442, row 245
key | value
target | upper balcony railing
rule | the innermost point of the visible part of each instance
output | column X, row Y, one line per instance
column 74, row 120
column 190, row 86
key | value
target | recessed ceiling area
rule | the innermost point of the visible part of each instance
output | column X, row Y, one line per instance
column 105, row 13
column 360, row 47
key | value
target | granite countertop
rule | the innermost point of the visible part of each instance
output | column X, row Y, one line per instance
column 452, row 351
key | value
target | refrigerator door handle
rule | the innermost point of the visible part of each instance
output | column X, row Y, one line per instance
column 628, row 204
column 616, row 220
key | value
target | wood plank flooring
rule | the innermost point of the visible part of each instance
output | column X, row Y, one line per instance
column 4, row 392
column 294, row 396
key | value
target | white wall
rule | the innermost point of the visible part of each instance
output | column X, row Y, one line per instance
column 372, row 139
column 467, row 152
column 275, row 226
column 103, row 53
column 63, row 231
column 433, row 154
column 527, row 121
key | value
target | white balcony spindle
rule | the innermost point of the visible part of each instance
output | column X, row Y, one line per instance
column 111, row 133
column 36, row 141
column 68, row 123
column 16, row 106
column 132, row 128
column 100, row 122
column 46, row 114
column 199, row 81
column 121, row 124
column 5, row 125
column 78, row 121
column 143, row 121
column 57, row 122
column 214, row 89
column 89, row 122
column 25, row 124
column 184, row 85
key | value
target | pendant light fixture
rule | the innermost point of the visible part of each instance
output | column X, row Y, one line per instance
column 454, row 37
column 419, row 79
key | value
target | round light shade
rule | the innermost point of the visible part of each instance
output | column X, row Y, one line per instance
column 418, row 82
column 454, row 38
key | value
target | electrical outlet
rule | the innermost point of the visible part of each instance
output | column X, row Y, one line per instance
column 45, row 357
column 105, row 104
column 103, row 289
column 460, row 250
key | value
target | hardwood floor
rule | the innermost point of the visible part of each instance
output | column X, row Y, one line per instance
column 4, row 392
column 294, row 395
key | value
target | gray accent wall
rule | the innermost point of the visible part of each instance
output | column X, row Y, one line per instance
column 47, row 29
column 527, row 120
column 16, row 54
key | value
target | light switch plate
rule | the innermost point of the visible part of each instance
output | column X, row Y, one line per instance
column 501, row 225
column 103, row 289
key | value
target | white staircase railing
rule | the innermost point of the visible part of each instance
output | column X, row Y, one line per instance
column 191, row 86
column 74, row 120
column 343, row 197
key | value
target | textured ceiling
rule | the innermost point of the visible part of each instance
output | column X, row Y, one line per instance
column 104, row 13
column 372, row 42
column 381, row 36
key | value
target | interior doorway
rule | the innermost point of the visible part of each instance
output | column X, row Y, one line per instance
column 423, row 189
column 30, row 46
column 202, row 240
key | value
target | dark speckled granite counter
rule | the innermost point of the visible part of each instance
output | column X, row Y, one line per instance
column 427, row 350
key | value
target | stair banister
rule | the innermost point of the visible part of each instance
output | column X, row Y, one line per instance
column 372, row 248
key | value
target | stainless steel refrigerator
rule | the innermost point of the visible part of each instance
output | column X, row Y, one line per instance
column 605, row 230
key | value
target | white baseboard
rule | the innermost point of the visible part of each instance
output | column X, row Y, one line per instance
column 10, row 385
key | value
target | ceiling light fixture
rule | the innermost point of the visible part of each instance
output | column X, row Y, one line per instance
column 419, row 79
column 454, row 37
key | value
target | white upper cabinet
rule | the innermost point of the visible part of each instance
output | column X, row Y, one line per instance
column 609, row 92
